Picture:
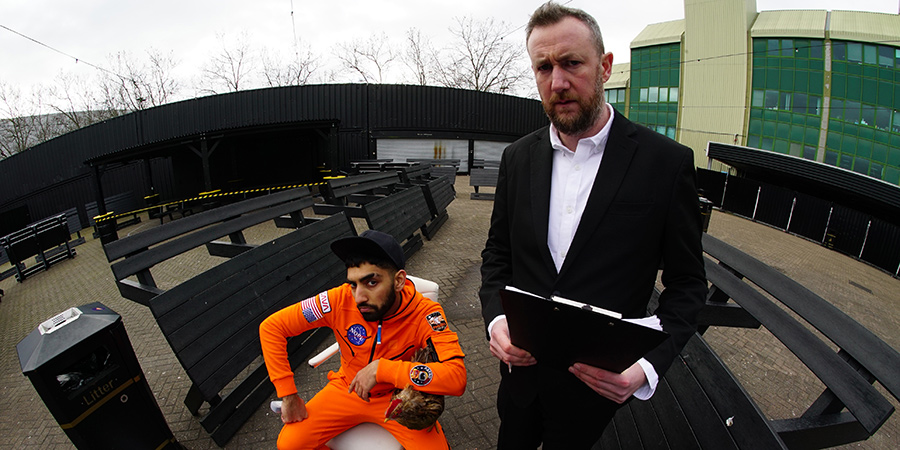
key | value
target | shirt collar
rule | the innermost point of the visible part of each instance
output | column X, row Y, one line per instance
column 597, row 141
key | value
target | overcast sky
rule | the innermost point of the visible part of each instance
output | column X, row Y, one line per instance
column 91, row 30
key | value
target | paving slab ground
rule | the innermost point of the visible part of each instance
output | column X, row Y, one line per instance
column 777, row 380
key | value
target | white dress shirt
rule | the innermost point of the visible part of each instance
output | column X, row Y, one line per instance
column 573, row 175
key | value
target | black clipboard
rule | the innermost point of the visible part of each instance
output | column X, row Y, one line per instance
column 560, row 335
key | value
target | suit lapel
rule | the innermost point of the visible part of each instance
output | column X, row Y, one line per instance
column 617, row 157
column 541, row 160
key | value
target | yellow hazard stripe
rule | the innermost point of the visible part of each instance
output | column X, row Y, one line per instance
column 110, row 215
column 100, row 403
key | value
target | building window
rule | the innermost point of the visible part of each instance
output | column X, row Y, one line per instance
column 865, row 100
column 655, row 75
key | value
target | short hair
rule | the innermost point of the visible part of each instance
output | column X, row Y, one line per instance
column 551, row 13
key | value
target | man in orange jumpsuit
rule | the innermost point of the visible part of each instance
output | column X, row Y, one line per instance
column 379, row 320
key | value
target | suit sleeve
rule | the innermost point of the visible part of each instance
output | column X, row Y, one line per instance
column 273, row 333
column 683, row 276
column 445, row 377
column 496, row 266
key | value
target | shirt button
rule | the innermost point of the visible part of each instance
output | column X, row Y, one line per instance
column 568, row 210
column 577, row 167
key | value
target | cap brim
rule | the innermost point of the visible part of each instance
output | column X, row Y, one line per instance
column 357, row 245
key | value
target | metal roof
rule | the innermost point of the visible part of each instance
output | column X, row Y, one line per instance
column 621, row 73
column 868, row 195
column 659, row 33
column 865, row 27
column 793, row 23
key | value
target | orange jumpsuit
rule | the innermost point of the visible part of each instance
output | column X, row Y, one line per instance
column 333, row 409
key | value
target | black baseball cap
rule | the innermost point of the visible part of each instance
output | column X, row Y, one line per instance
column 370, row 242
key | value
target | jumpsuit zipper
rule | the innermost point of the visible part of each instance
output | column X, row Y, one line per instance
column 376, row 341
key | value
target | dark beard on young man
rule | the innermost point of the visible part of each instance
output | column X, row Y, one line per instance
column 379, row 312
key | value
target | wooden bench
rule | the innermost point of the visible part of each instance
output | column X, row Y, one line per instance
column 347, row 193
column 144, row 250
column 440, row 167
column 120, row 204
column 211, row 321
column 400, row 214
column 439, row 193
column 483, row 177
column 700, row 404
column 479, row 163
column 369, row 165
column 38, row 239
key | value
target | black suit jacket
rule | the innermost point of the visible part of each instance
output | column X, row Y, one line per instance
column 642, row 212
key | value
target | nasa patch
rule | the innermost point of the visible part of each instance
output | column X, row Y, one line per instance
column 420, row 375
column 326, row 305
column 436, row 320
column 356, row 334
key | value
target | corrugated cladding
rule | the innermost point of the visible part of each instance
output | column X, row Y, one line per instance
column 360, row 110
column 394, row 107
column 713, row 93
column 865, row 27
column 659, row 33
column 793, row 23
column 621, row 73
column 861, row 188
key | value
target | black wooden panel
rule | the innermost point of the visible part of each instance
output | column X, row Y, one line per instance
column 864, row 346
column 740, row 196
column 774, row 206
column 883, row 246
column 712, row 184
column 648, row 427
column 211, row 321
column 810, row 217
column 399, row 214
column 846, row 230
column 130, row 244
column 679, row 434
column 173, row 248
column 441, row 193
column 707, row 425
column 626, row 429
column 860, row 397
column 749, row 427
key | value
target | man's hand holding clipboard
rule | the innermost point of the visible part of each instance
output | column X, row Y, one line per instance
column 595, row 345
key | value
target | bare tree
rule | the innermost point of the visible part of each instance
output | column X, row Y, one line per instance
column 418, row 56
column 291, row 71
column 481, row 58
column 132, row 85
column 369, row 59
column 75, row 102
column 18, row 129
column 229, row 70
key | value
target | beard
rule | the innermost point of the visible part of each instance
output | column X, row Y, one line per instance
column 379, row 311
column 589, row 111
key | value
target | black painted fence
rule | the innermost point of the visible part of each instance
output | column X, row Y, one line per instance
column 835, row 226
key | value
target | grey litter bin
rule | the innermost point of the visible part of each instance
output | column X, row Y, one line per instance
column 82, row 365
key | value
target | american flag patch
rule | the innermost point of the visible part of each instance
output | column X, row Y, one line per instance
column 311, row 310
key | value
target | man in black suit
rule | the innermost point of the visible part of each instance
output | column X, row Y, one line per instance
column 589, row 209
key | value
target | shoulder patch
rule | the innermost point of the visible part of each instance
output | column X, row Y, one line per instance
column 311, row 310
column 436, row 320
column 420, row 375
column 323, row 300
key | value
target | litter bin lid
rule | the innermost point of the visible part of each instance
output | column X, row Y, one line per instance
column 62, row 332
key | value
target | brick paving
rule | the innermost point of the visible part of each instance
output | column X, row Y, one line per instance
column 777, row 380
